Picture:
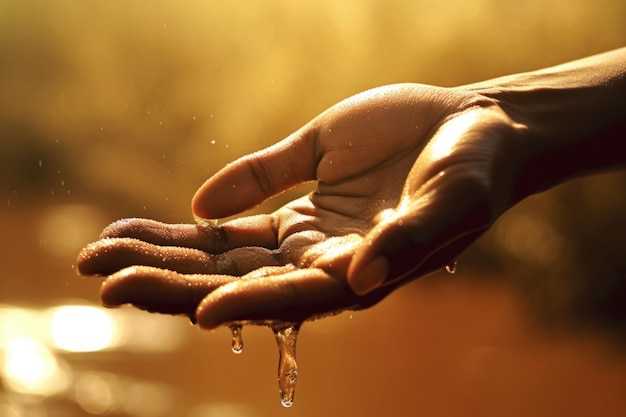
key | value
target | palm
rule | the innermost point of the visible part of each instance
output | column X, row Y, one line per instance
column 392, row 155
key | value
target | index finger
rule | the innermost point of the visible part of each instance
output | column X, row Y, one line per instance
column 260, row 230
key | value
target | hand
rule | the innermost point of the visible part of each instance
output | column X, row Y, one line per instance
column 407, row 177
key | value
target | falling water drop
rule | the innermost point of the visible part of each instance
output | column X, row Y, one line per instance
column 237, row 344
column 286, row 337
column 451, row 267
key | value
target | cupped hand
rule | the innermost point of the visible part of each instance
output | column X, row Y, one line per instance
column 407, row 177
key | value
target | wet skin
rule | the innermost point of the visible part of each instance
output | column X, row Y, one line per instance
column 407, row 177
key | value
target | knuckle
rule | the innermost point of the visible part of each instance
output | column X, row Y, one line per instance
column 260, row 172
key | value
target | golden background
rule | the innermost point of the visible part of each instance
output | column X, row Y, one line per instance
column 122, row 109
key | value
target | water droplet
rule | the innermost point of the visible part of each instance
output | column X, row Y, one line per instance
column 205, row 222
column 286, row 336
column 213, row 142
column 451, row 267
column 40, row 163
column 237, row 344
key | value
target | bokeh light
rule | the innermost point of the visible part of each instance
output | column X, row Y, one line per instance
column 82, row 329
column 31, row 368
column 123, row 108
column 98, row 392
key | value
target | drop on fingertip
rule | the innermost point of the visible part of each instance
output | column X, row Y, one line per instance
column 205, row 222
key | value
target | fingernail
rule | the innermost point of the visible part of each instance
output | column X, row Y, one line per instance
column 371, row 276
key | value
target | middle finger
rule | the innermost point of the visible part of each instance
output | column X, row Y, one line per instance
column 109, row 255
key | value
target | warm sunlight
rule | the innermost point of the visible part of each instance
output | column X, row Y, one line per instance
column 117, row 109
column 31, row 368
column 82, row 329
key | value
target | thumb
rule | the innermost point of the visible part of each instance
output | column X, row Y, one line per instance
column 412, row 242
column 252, row 179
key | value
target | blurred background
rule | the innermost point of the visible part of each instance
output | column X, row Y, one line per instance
column 122, row 109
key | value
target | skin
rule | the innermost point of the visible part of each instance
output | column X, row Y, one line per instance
column 408, row 176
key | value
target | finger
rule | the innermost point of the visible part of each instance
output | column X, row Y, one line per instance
column 292, row 296
column 247, row 231
column 254, row 178
column 413, row 241
column 110, row 255
column 159, row 290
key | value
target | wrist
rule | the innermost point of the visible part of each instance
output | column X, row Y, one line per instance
column 573, row 115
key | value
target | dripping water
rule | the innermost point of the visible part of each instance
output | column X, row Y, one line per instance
column 286, row 336
column 237, row 343
column 451, row 267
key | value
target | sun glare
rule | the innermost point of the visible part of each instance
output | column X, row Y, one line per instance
column 82, row 329
column 31, row 368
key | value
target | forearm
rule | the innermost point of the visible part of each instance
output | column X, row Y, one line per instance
column 574, row 117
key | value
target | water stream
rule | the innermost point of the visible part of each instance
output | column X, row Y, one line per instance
column 286, row 335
